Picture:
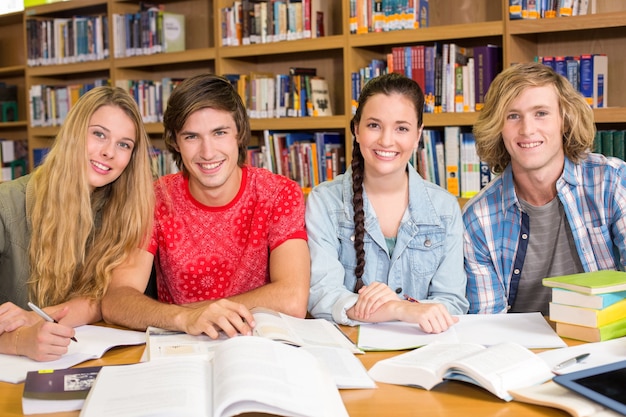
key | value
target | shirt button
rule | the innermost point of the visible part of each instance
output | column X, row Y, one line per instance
column 516, row 271
column 352, row 238
column 427, row 243
column 398, row 290
column 524, row 236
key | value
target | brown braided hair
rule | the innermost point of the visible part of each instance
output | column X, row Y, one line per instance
column 385, row 84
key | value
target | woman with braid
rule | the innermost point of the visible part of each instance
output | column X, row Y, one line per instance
column 385, row 244
column 66, row 227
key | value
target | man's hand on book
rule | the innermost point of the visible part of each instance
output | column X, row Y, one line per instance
column 221, row 315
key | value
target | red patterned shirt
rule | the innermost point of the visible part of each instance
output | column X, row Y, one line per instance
column 206, row 253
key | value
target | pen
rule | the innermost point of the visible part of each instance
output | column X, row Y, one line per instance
column 570, row 362
column 44, row 315
column 411, row 299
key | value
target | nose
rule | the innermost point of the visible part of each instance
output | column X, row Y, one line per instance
column 527, row 126
column 206, row 149
column 108, row 149
column 386, row 137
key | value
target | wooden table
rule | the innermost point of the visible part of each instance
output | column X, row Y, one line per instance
column 450, row 398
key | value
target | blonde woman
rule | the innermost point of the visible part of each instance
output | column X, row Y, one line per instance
column 65, row 227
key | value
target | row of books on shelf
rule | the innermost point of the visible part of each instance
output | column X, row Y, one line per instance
column 249, row 22
column 453, row 78
column 13, row 158
column 588, row 73
column 610, row 143
column 309, row 158
column 60, row 40
column 162, row 162
column 49, row 104
column 546, row 9
column 589, row 306
column 387, row 15
column 299, row 93
column 149, row 31
column 448, row 158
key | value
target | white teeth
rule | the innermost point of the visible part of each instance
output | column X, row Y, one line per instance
column 530, row 145
column 100, row 166
column 211, row 166
column 386, row 154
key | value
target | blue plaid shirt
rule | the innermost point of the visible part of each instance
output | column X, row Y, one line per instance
column 593, row 194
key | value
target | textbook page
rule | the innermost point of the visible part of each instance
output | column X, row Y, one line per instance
column 530, row 330
column 247, row 374
column 345, row 368
column 497, row 368
column 299, row 332
column 93, row 342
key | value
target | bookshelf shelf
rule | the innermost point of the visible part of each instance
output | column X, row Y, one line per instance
column 65, row 70
column 285, row 47
column 567, row 24
column 430, row 34
column 170, row 58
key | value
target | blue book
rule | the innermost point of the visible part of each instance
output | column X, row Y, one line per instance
column 595, row 301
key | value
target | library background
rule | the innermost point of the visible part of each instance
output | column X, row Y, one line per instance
column 299, row 65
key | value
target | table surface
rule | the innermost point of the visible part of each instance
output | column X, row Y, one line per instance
column 450, row 398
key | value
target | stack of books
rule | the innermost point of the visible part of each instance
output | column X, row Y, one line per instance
column 590, row 306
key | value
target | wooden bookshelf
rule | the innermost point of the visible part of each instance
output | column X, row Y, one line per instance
column 467, row 23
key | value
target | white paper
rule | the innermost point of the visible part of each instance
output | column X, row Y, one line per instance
column 530, row 330
column 600, row 353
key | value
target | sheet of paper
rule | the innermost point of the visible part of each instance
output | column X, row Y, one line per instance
column 93, row 342
column 346, row 369
column 600, row 353
column 530, row 330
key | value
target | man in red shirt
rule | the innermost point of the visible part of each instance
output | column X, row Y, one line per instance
column 226, row 236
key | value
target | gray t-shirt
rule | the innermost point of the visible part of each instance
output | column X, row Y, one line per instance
column 551, row 252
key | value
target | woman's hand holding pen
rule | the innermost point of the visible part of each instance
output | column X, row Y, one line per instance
column 371, row 298
column 44, row 341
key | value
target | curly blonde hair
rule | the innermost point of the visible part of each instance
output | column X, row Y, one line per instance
column 578, row 122
column 69, row 255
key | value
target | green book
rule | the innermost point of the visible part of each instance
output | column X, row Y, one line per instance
column 607, row 142
column 619, row 151
column 598, row 282
column 592, row 334
column 597, row 142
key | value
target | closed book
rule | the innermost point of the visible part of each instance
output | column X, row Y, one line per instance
column 51, row 391
column 487, row 64
column 597, row 282
column 607, row 142
column 589, row 317
column 594, row 79
column 173, row 32
column 597, row 301
column 592, row 334
column 619, row 151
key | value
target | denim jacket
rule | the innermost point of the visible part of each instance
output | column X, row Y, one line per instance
column 426, row 263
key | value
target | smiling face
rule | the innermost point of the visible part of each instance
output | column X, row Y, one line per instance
column 209, row 150
column 388, row 134
column 111, row 137
column 532, row 132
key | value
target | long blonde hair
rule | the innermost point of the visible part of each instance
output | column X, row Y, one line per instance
column 69, row 255
column 578, row 123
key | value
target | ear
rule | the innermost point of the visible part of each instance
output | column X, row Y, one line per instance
column 356, row 132
column 419, row 136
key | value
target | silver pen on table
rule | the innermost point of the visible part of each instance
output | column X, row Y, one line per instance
column 570, row 362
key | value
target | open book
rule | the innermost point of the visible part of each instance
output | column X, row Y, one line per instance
column 269, row 324
column 553, row 395
column 246, row 374
column 93, row 342
column 498, row 368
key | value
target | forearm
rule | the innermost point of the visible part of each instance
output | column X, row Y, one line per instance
column 81, row 311
column 125, row 306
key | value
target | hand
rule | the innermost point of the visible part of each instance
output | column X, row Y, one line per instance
column 432, row 317
column 371, row 298
column 225, row 315
column 12, row 317
column 44, row 341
